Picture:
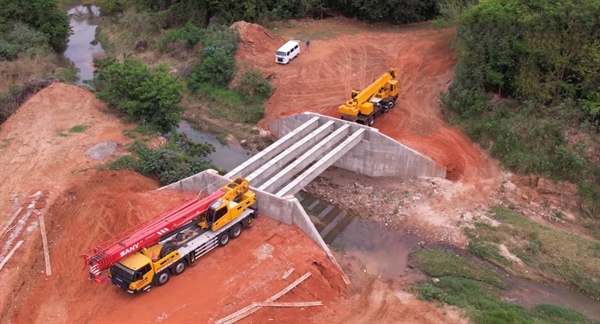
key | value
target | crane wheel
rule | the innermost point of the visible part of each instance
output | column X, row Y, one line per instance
column 224, row 239
column 369, row 121
column 178, row 268
column 236, row 231
column 166, row 249
column 390, row 104
column 162, row 278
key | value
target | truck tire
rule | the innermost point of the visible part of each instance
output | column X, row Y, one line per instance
column 178, row 268
column 162, row 278
column 390, row 104
column 236, row 230
column 224, row 239
column 166, row 249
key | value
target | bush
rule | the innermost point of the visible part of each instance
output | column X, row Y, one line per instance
column 189, row 33
column 176, row 160
column 151, row 97
column 43, row 16
column 252, row 82
column 22, row 39
column 217, row 70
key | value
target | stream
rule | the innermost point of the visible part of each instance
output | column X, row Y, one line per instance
column 383, row 251
column 80, row 51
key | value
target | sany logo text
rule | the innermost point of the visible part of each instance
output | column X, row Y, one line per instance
column 130, row 249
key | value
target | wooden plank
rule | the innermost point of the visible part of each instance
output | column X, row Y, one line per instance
column 244, row 312
column 12, row 219
column 287, row 273
column 244, row 315
column 45, row 243
column 288, row 288
column 231, row 316
column 10, row 254
column 292, row 304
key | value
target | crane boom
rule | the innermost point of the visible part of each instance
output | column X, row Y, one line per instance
column 377, row 98
column 367, row 93
column 146, row 234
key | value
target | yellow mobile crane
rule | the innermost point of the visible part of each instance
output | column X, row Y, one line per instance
column 377, row 98
column 153, row 265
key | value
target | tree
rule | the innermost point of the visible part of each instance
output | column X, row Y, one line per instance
column 42, row 15
column 151, row 97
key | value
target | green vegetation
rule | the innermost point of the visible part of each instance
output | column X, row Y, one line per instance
column 441, row 264
column 78, row 128
column 560, row 257
column 25, row 23
column 477, row 290
column 177, row 159
column 150, row 96
column 179, row 12
column 541, row 62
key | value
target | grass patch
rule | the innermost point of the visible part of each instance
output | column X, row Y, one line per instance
column 5, row 142
column 476, row 289
column 78, row 128
column 440, row 264
column 560, row 256
column 231, row 105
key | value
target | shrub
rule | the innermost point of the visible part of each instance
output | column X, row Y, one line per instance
column 179, row 158
column 151, row 97
column 217, row 69
column 22, row 39
column 252, row 82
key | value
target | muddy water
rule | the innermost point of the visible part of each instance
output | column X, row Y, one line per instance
column 84, row 21
column 532, row 293
column 384, row 252
column 225, row 156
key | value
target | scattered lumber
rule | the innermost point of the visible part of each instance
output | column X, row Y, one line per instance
column 248, row 310
column 10, row 254
column 45, row 243
column 12, row 219
column 291, row 304
column 287, row 273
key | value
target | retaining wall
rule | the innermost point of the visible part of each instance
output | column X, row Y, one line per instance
column 377, row 155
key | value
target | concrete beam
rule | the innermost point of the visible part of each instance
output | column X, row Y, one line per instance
column 270, row 152
column 315, row 153
column 291, row 153
column 321, row 165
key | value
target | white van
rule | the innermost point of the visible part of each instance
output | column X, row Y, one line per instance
column 287, row 52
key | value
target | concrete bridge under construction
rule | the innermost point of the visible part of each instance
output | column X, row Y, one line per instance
column 308, row 144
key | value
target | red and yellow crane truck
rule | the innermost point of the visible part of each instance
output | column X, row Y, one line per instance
column 153, row 251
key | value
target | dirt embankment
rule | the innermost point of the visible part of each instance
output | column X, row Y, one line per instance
column 100, row 205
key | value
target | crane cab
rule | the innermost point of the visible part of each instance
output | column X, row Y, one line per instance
column 287, row 52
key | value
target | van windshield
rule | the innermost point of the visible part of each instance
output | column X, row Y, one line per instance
column 281, row 53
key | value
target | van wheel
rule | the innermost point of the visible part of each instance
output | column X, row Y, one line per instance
column 162, row 278
column 224, row 239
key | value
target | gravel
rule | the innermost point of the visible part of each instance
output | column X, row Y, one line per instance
column 101, row 150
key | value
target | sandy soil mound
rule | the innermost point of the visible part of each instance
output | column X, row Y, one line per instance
column 256, row 39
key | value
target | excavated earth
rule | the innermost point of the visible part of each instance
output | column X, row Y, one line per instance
column 48, row 171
